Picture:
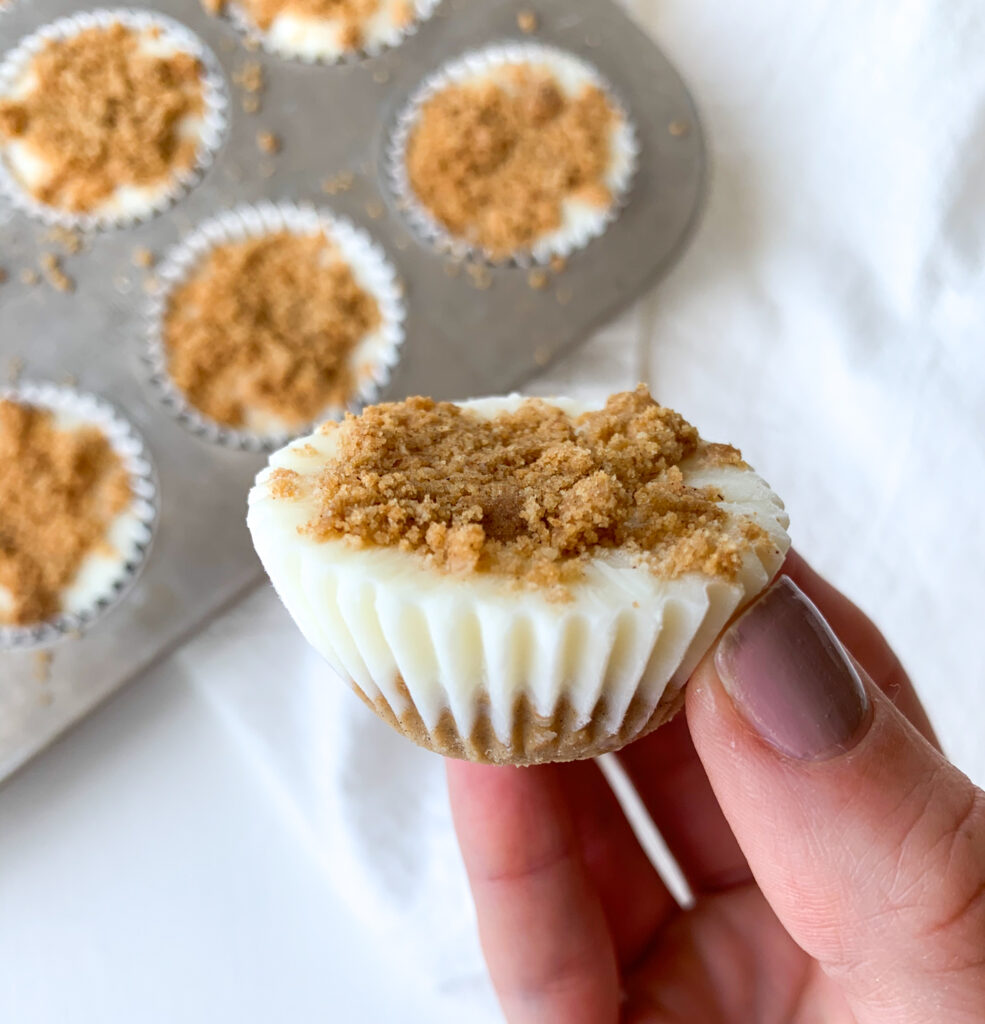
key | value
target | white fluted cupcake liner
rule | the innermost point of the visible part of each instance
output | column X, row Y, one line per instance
column 476, row 667
column 211, row 132
column 135, row 527
column 314, row 43
column 572, row 72
column 377, row 354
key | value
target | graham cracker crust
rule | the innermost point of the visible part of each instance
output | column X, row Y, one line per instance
column 534, row 738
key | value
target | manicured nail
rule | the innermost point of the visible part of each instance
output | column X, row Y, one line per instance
column 790, row 677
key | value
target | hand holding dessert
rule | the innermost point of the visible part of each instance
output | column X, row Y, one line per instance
column 836, row 857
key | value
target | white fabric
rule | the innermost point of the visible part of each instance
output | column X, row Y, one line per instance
column 826, row 319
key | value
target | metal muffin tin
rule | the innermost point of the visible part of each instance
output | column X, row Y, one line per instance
column 468, row 333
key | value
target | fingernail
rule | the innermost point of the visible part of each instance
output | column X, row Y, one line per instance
column 790, row 678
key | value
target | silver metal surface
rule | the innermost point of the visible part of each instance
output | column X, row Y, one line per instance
column 466, row 335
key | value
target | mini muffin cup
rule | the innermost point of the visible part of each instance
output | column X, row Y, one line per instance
column 423, row 9
column 214, row 120
column 368, row 260
column 130, row 447
column 480, row 667
column 475, row 64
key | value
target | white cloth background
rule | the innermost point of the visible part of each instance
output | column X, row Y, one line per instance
column 827, row 319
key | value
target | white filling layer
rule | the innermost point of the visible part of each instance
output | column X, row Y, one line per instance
column 295, row 35
column 32, row 171
column 379, row 615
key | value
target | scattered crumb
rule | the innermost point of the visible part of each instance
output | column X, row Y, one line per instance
column 679, row 128
column 59, row 492
column 268, row 143
column 494, row 162
column 249, row 77
column 143, row 257
column 531, row 494
column 54, row 274
column 69, row 240
column 151, row 285
column 251, row 104
column 374, row 209
column 558, row 264
column 527, row 22
column 90, row 153
column 542, row 355
column 29, row 276
column 340, row 182
column 479, row 275
column 381, row 76
column 537, row 278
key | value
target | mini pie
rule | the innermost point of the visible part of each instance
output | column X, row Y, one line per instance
column 516, row 151
column 272, row 332
column 69, row 521
column 515, row 580
column 105, row 121
column 326, row 29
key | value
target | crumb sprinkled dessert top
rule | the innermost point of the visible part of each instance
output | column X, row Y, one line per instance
column 268, row 324
column 352, row 14
column 494, row 161
column 60, row 491
column 531, row 494
column 103, row 113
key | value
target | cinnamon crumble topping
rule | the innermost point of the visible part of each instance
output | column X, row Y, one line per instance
column 103, row 113
column 268, row 324
column 494, row 161
column 60, row 491
column 532, row 494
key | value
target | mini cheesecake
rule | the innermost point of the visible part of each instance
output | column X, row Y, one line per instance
column 515, row 580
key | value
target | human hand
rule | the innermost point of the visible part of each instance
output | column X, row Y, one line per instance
column 837, row 858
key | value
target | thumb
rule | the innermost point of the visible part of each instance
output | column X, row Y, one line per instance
column 867, row 843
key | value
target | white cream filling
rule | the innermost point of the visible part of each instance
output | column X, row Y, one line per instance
column 32, row 171
column 296, row 35
column 379, row 614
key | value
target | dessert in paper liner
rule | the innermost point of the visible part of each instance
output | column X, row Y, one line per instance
column 372, row 359
column 311, row 38
column 21, row 169
column 473, row 665
column 107, row 572
column 581, row 220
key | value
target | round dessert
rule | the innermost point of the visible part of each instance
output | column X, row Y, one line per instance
column 515, row 153
column 515, row 580
column 326, row 30
column 273, row 318
column 106, row 118
column 76, row 511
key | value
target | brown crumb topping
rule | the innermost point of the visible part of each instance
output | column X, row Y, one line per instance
column 494, row 160
column 104, row 114
column 60, row 491
column 270, row 325
column 352, row 15
column 530, row 494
